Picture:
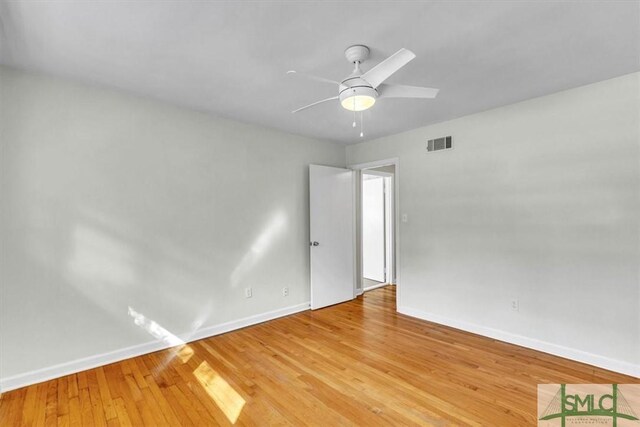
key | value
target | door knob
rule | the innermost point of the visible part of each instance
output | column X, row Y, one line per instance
column 314, row 244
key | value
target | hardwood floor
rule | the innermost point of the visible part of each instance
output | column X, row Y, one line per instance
column 355, row 363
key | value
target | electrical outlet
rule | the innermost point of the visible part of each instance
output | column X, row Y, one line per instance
column 515, row 305
column 285, row 292
column 248, row 293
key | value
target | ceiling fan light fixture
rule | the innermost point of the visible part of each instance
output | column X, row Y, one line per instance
column 358, row 102
column 358, row 98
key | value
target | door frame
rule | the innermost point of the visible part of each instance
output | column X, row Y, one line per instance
column 358, row 167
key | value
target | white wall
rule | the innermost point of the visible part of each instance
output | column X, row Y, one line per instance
column 110, row 201
column 538, row 201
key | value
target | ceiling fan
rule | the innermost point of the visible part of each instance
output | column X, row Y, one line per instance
column 359, row 91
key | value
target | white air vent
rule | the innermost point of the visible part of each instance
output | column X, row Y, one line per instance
column 444, row 143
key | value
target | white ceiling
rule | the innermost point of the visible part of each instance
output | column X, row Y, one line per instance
column 230, row 58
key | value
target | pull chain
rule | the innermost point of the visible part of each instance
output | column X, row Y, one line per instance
column 361, row 124
column 354, row 112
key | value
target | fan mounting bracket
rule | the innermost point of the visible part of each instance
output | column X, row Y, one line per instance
column 357, row 53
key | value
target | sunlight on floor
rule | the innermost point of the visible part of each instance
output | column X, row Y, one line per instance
column 184, row 352
column 227, row 399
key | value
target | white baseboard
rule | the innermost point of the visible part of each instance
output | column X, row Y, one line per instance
column 78, row 365
column 543, row 346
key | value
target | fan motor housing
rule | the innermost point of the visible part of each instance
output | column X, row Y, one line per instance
column 358, row 91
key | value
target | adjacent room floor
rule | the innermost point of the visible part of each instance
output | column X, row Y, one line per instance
column 355, row 363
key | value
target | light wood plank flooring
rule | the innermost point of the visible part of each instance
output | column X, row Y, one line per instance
column 357, row 363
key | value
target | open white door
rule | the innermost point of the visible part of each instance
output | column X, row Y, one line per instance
column 331, row 234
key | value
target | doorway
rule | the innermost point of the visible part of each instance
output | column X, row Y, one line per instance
column 383, row 173
column 377, row 227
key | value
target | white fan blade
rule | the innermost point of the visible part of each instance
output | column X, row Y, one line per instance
column 402, row 91
column 386, row 68
column 312, row 77
column 315, row 103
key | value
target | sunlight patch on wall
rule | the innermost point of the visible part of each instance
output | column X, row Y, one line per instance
column 227, row 399
column 154, row 329
column 182, row 351
column 97, row 257
column 261, row 244
column 203, row 314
